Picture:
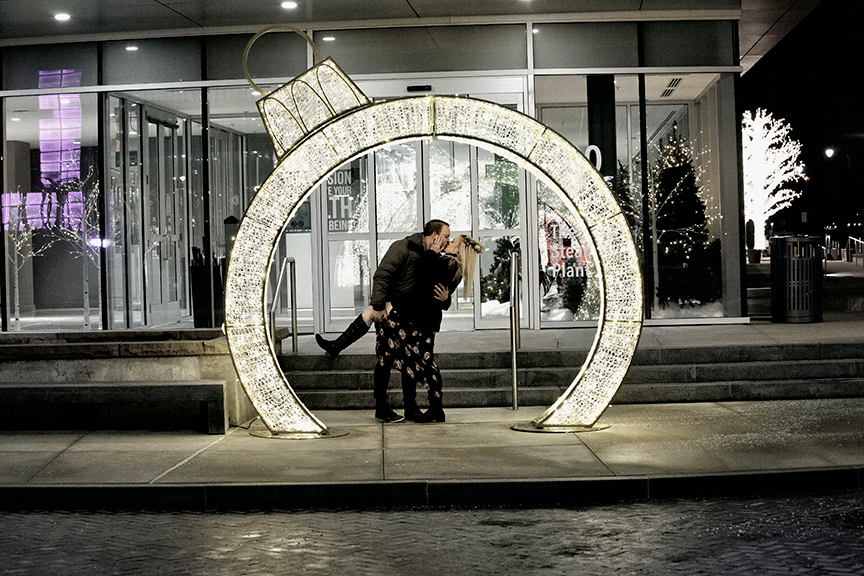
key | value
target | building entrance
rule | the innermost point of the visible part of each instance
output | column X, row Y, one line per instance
column 147, row 215
column 388, row 194
column 165, row 247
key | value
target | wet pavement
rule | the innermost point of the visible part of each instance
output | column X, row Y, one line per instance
column 804, row 534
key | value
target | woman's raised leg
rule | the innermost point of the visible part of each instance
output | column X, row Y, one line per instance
column 354, row 332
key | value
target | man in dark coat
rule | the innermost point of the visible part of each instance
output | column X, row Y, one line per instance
column 393, row 282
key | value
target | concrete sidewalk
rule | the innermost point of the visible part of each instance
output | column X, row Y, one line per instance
column 474, row 459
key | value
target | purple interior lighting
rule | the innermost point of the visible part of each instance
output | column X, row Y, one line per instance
column 59, row 162
column 60, row 135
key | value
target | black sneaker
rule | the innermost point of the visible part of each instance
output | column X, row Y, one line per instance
column 388, row 416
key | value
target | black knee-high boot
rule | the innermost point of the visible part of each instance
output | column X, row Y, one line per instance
column 354, row 332
column 435, row 413
column 382, row 405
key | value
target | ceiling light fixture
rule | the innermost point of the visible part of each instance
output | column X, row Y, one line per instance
column 289, row 5
column 328, row 38
column 131, row 48
column 62, row 17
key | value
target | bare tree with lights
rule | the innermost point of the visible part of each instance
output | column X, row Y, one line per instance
column 771, row 162
column 21, row 247
column 80, row 229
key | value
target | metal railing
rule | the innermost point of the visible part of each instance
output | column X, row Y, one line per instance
column 856, row 249
column 290, row 264
column 515, row 333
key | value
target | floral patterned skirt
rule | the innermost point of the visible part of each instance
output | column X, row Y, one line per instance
column 401, row 344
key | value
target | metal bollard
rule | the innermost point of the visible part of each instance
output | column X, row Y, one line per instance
column 515, row 335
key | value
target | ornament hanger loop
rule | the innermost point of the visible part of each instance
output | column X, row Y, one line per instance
column 275, row 27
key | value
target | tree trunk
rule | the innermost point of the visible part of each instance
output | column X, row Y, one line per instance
column 86, row 293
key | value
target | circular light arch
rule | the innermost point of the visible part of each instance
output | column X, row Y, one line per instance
column 319, row 121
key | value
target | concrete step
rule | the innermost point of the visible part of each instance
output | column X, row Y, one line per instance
column 565, row 357
column 745, row 390
column 562, row 376
column 657, row 375
column 453, row 397
column 656, row 393
column 743, row 371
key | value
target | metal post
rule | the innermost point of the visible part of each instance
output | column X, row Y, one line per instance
column 274, row 305
column 514, row 322
column 293, row 266
column 207, row 240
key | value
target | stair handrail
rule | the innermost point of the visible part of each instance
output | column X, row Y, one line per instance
column 290, row 264
column 854, row 249
column 515, row 335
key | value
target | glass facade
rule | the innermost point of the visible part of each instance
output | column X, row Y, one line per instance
column 119, row 204
column 670, row 193
column 51, row 211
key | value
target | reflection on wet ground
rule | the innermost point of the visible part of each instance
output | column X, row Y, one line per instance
column 803, row 534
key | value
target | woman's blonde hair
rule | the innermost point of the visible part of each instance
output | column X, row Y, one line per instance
column 466, row 259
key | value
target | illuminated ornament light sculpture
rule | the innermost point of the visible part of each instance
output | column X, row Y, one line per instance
column 319, row 121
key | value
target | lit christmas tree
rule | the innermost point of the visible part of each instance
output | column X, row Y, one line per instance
column 496, row 284
column 502, row 207
column 629, row 198
column 771, row 161
column 688, row 266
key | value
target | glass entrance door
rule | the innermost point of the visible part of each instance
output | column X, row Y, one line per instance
column 477, row 192
column 394, row 190
column 164, row 215
column 347, row 244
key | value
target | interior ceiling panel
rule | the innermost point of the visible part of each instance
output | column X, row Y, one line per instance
column 466, row 8
column 763, row 22
column 217, row 13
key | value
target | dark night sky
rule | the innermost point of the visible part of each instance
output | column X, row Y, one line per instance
column 813, row 80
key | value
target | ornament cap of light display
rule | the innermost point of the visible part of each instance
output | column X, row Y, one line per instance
column 319, row 121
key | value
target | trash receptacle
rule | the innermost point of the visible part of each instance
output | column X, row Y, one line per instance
column 796, row 279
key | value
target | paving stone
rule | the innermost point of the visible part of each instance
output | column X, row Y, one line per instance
column 800, row 535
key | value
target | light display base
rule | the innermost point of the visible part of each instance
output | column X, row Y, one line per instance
column 257, row 428
column 297, row 435
column 530, row 427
